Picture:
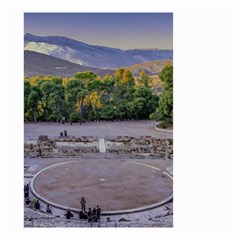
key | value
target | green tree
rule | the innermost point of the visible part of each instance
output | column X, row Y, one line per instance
column 57, row 106
column 144, row 79
column 145, row 102
column 88, row 97
column 33, row 99
column 76, row 92
column 57, row 80
column 164, row 112
column 50, row 91
column 47, row 88
column 86, row 77
column 27, row 91
column 74, row 117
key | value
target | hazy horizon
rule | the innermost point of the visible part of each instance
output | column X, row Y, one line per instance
column 143, row 30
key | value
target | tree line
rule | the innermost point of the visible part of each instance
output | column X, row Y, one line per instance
column 87, row 97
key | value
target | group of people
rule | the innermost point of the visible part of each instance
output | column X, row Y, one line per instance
column 92, row 215
column 63, row 134
column 34, row 203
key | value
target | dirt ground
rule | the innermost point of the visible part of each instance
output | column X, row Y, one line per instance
column 114, row 184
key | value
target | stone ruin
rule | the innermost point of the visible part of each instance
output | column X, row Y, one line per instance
column 75, row 146
column 61, row 146
column 145, row 145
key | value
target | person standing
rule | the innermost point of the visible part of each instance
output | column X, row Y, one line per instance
column 26, row 194
column 26, row 188
column 90, row 215
column 27, row 201
column 83, row 204
column 94, row 215
column 98, row 213
column 65, row 133
column 26, row 191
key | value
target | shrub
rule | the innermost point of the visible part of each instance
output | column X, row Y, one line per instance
column 74, row 117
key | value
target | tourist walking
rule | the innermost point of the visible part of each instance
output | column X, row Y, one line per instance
column 83, row 204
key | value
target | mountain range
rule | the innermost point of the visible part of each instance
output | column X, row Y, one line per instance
column 90, row 56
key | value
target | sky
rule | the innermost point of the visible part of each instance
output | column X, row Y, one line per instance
column 118, row 30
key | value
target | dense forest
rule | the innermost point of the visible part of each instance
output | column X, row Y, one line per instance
column 88, row 97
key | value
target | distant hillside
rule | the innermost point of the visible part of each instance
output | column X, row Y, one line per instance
column 91, row 55
column 41, row 64
column 150, row 68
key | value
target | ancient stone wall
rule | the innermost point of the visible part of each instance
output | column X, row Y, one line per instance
column 145, row 145
column 61, row 146
column 75, row 146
